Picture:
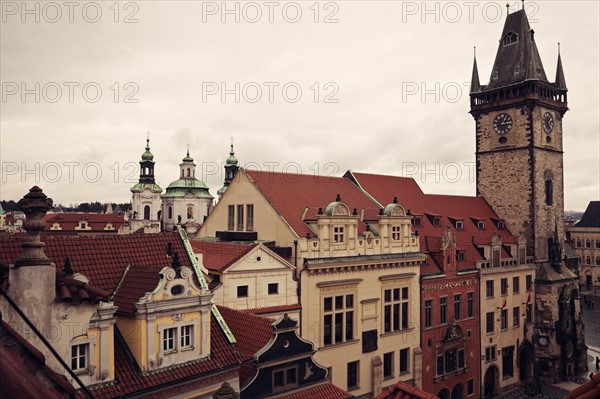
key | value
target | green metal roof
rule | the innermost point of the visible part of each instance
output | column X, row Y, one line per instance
column 155, row 188
column 182, row 187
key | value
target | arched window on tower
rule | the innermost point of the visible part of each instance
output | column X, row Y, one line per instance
column 190, row 212
column 147, row 212
column 510, row 38
column 170, row 212
column 549, row 192
column 188, row 172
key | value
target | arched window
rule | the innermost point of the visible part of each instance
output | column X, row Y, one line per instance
column 496, row 257
column 578, row 243
column 188, row 172
column 190, row 212
column 597, row 260
column 510, row 38
column 588, row 260
column 588, row 244
column 170, row 212
column 549, row 194
column 147, row 212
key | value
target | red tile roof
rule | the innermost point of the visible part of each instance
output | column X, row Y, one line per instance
column 251, row 332
column 291, row 194
column 589, row 390
column 218, row 256
column 24, row 371
column 136, row 282
column 274, row 309
column 129, row 379
column 96, row 221
column 321, row 391
column 69, row 289
column 102, row 259
column 402, row 390
column 468, row 209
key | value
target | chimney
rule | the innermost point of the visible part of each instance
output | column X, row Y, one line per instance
column 34, row 205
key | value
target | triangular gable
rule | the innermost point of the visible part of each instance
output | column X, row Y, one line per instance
column 259, row 258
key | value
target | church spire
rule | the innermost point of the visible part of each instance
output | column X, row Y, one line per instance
column 560, row 75
column 147, row 165
column 475, row 85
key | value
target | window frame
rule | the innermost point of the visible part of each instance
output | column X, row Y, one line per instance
column 345, row 312
column 270, row 285
column 242, row 287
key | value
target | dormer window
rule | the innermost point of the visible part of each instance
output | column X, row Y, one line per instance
column 501, row 225
column 416, row 221
column 396, row 233
column 510, row 38
column 436, row 221
column 460, row 256
column 458, row 225
column 480, row 225
column 338, row 234
column 79, row 357
column 169, row 339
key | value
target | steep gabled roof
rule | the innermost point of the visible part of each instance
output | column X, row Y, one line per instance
column 96, row 221
column 402, row 390
column 448, row 208
column 591, row 217
column 322, row 391
column 251, row 332
column 292, row 194
column 219, row 256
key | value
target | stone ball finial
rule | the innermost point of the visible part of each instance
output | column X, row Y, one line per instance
column 35, row 204
column 226, row 391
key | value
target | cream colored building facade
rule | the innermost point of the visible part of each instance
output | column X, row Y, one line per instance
column 507, row 292
column 359, row 285
column 585, row 238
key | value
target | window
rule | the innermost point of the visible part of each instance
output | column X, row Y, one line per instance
column 461, row 359
column 597, row 244
column 168, row 339
column 146, row 212
column 460, row 256
column 496, row 257
column 528, row 315
column 470, row 386
column 338, row 234
column 489, row 288
column 186, row 336
column 285, row 378
column 504, row 319
column 481, row 225
column 528, row 280
column 588, row 244
column 452, row 360
column 249, row 217
column 273, row 288
column 501, row 225
column 597, row 260
column 459, row 225
column 549, row 199
column 428, row 312
column 507, row 362
column 490, row 353
column 588, row 260
column 170, row 212
column 443, row 309
column 395, row 309
column 510, row 38
column 516, row 287
column 79, row 357
column 396, row 233
column 470, row 309
column 338, row 319
column 504, row 286
column 436, row 221
column 352, row 375
column 416, row 221
column 240, row 218
column 516, row 316
column 578, row 243
column 242, row 291
column 439, row 362
column 388, row 365
column 489, row 322
column 522, row 255
column 230, row 217
column 404, row 363
column 457, row 315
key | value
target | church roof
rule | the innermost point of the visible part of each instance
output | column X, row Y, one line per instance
column 517, row 59
column 546, row 272
column 155, row 188
column 182, row 187
column 591, row 217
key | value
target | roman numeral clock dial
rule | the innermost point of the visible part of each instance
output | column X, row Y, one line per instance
column 502, row 123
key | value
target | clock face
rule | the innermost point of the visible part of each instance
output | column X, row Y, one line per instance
column 502, row 123
column 548, row 122
column 543, row 341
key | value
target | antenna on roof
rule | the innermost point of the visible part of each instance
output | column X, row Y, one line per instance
column 559, row 48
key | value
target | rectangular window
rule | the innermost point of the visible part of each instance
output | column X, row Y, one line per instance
column 242, row 291
column 489, row 322
column 459, row 225
column 249, row 217
column 504, row 286
column 481, row 225
column 470, row 309
column 428, row 312
column 240, row 218
column 490, row 353
column 79, row 356
column 496, row 257
column 443, row 309
column 388, row 365
column 489, row 288
column 230, row 217
column 522, row 255
column 549, row 193
column 516, row 287
column 439, row 365
column 450, row 361
column 169, row 339
column 285, row 378
column 470, row 386
column 352, row 375
column 457, row 302
column 436, row 221
column 516, row 316
column 404, row 361
column 338, row 234
column 504, row 319
column 273, row 288
column 528, row 317
column 461, row 359
column 507, row 362
column 338, row 319
column 396, row 233
column 528, row 280
column 186, row 336
column 395, row 309
column 460, row 256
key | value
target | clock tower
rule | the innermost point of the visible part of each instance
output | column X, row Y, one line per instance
column 519, row 152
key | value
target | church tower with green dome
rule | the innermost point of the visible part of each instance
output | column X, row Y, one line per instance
column 231, row 168
column 187, row 200
column 145, row 201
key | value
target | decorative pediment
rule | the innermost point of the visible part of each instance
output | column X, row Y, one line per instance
column 453, row 332
column 337, row 208
column 394, row 210
column 496, row 240
column 174, row 284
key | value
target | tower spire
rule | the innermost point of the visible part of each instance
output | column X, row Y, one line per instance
column 475, row 85
column 560, row 75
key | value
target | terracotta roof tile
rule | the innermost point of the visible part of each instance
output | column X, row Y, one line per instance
column 96, row 221
column 402, row 390
column 273, row 309
column 291, row 194
column 218, row 256
column 321, row 391
column 251, row 332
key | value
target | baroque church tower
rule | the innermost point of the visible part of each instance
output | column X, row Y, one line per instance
column 145, row 199
column 519, row 153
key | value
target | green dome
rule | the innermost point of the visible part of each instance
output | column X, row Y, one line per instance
column 183, row 187
column 187, row 157
column 155, row 188
column 147, row 155
column 232, row 160
column 188, row 183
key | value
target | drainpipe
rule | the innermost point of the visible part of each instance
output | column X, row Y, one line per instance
column 299, row 291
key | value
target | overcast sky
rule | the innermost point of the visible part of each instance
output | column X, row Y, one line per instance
column 371, row 86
